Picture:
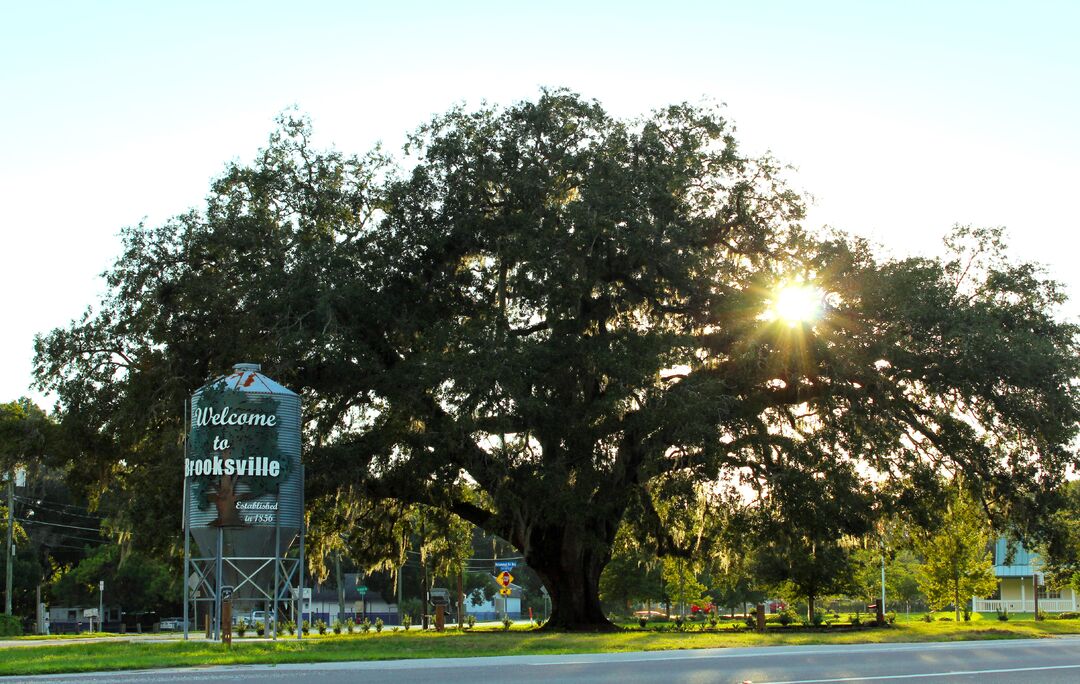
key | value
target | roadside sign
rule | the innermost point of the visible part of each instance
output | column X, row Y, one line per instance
column 505, row 591
column 505, row 578
column 361, row 590
column 506, row 566
column 226, row 593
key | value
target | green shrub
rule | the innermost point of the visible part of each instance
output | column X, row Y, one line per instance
column 856, row 620
column 10, row 625
column 288, row 626
column 260, row 629
column 817, row 618
column 338, row 625
column 406, row 621
column 1068, row 615
column 946, row 618
column 929, row 617
column 787, row 617
column 713, row 620
column 642, row 621
column 241, row 628
column 1003, row 616
column 365, row 626
column 306, row 627
column 378, row 624
column 890, row 617
column 350, row 625
column 506, row 622
column 321, row 626
column 470, row 620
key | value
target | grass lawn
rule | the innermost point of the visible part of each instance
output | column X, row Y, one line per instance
column 116, row 655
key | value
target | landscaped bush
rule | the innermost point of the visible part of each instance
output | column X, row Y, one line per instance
column 260, row 629
column 642, row 621
column 890, row 617
column 10, row 626
column 365, row 626
column 350, row 625
column 506, row 622
column 337, row 626
column 945, row 619
column 321, row 626
column 470, row 621
column 1068, row 616
column 406, row 621
column 1004, row 617
column 241, row 628
column 306, row 627
column 378, row 624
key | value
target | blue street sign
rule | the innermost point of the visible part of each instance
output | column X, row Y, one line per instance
column 506, row 566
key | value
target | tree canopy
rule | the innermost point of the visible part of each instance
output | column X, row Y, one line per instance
column 541, row 311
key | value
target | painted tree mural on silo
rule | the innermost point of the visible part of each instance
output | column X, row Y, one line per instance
column 233, row 451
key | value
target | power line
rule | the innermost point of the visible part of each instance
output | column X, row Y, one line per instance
column 36, row 505
column 54, row 503
column 73, row 527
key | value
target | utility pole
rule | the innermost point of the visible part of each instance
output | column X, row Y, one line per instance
column 101, row 605
column 10, row 539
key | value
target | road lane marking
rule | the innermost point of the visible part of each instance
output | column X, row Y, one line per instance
column 953, row 673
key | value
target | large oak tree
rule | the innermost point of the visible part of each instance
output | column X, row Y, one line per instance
column 540, row 311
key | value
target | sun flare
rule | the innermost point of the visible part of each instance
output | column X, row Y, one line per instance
column 796, row 303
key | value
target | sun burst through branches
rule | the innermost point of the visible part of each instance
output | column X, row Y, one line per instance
column 796, row 303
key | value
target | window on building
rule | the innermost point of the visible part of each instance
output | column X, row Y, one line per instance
column 1047, row 593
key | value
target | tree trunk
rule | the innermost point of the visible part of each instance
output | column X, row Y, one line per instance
column 956, row 599
column 810, row 608
column 569, row 561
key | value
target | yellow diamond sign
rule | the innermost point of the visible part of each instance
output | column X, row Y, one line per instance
column 504, row 578
column 505, row 591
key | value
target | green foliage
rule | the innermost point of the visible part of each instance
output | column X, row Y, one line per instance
column 320, row 626
column 470, row 621
column 406, row 621
column 506, row 623
column 411, row 608
column 241, row 628
column 337, row 626
column 958, row 561
column 135, row 581
column 10, row 625
column 378, row 625
column 365, row 626
column 305, row 627
column 260, row 628
column 350, row 625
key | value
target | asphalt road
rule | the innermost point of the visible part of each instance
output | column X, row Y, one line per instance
column 1049, row 661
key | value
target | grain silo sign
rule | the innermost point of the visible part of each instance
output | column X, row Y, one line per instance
column 236, row 458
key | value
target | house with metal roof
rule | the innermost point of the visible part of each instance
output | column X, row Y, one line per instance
column 1018, row 576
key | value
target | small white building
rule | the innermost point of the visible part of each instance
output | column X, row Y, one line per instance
column 494, row 609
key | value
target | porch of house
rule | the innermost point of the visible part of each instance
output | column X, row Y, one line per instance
column 1014, row 595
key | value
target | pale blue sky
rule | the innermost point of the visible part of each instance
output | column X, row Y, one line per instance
column 902, row 118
